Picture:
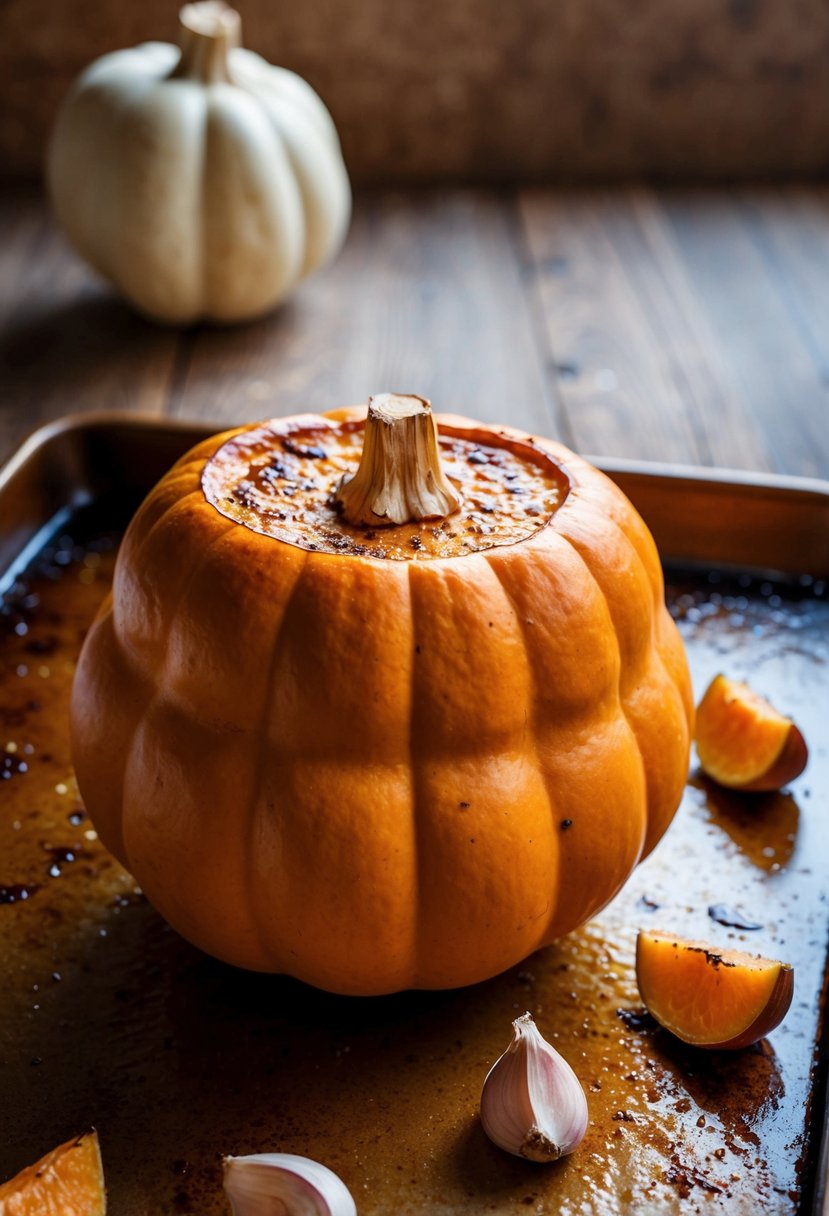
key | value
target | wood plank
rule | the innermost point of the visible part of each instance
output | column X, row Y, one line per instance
column 755, row 297
column 686, row 326
column 673, row 333
column 66, row 342
column 610, row 314
column 427, row 297
column 717, row 408
column 790, row 228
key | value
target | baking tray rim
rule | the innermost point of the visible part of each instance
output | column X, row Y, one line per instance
column 702, row 476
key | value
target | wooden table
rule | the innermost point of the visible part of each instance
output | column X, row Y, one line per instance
column 689, row 326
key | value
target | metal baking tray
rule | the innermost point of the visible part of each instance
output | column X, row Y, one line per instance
column 108, row 1018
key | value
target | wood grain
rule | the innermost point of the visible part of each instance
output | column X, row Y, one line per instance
column 66, row 343
column 427, row 297
column 479, row 90
column 765, row 325
column 686, row 325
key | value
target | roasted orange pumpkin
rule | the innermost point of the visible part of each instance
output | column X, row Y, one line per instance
column 378, row 755
column 69, row 1181
column 743, row 742
column 711, row 997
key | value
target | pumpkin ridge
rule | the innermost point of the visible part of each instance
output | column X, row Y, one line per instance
column 132, row 658
column 307, row 262
column 414, row 765
column 603, row 496
column 629, row 672
column 653, row 646
column 155, row 695
column 681, row 692
column 639, row 540
column 623, row 708
column 137, row 557
column 631, row 680
column 669, row 643
column 227, row 213
column 252, row 811
column 142, row 529
column 114, row 834
column 147, row 700
column 624, row 758
column 552, row 905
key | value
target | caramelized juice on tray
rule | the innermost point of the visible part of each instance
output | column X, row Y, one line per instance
column 108, row 1018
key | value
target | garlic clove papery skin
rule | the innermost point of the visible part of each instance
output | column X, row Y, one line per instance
column 282, row 1184
column 532, row 1103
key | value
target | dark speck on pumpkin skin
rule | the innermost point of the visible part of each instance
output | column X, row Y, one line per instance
column 565, row 824
column 463, row 805
column 712, row 958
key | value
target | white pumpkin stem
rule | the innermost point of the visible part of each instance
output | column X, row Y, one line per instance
column 400, row 477
column 210, row 29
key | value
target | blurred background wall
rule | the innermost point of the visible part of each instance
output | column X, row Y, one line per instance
column 490, row 90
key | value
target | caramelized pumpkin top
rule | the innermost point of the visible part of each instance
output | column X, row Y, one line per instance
column 280, row 480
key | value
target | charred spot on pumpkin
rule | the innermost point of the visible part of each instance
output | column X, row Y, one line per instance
column 713, row 959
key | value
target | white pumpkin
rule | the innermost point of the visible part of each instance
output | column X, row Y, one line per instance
column 203, row 182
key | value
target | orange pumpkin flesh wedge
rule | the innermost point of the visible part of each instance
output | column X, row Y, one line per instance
column 743, row 742
column 711, row 997
column 69, row 1181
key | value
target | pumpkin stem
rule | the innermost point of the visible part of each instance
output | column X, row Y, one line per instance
column 209, row 31
column 400, row 477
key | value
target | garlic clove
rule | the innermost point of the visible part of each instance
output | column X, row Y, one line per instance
column 282, row 1184
column 532, row 1103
